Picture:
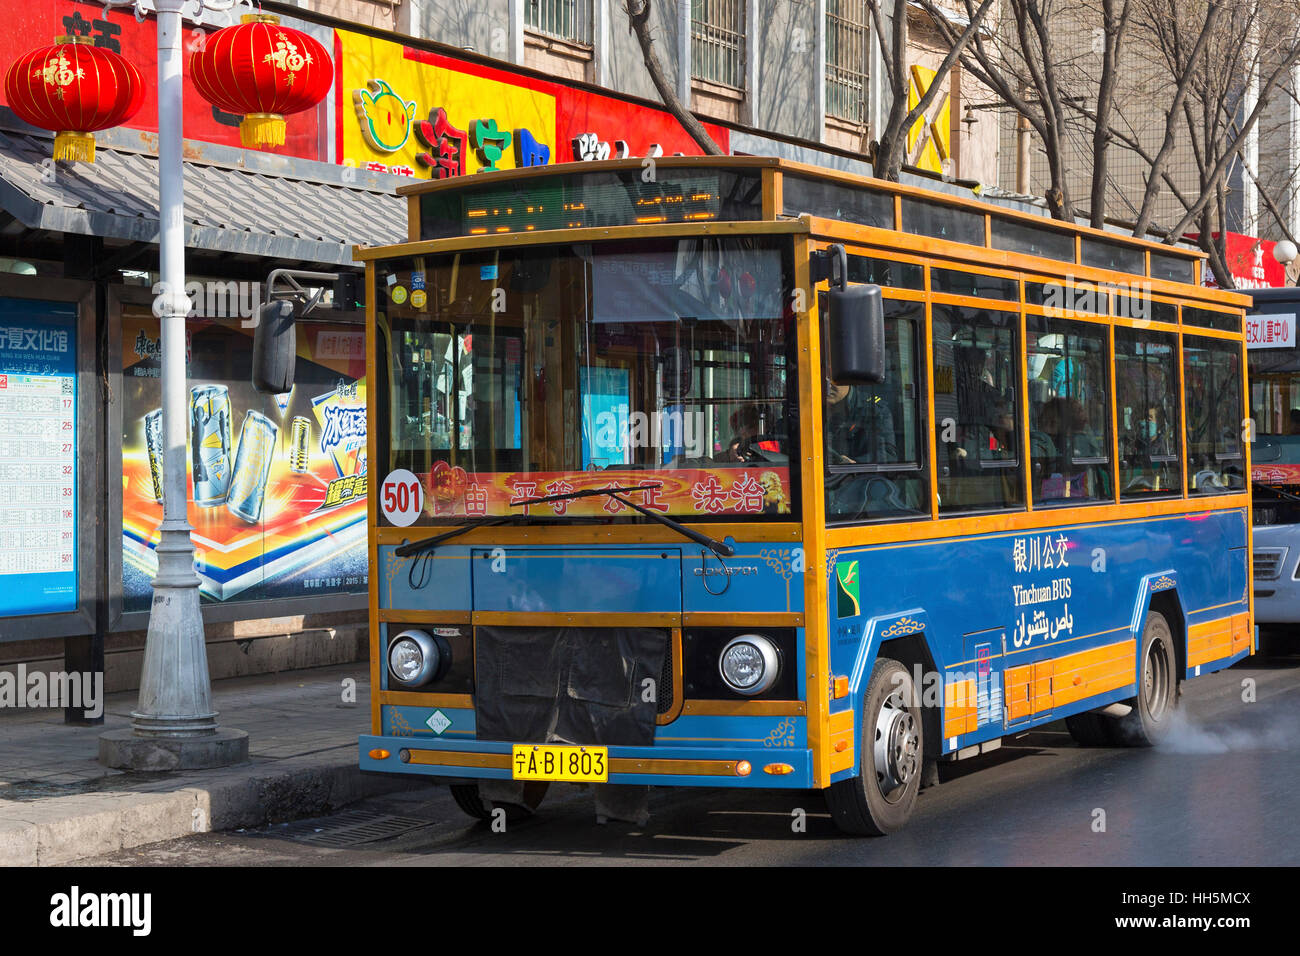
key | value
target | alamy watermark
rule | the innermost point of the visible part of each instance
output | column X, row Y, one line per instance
column 213, row 299
column 74, row 909
column 620, row 428
column 56, row 689
column 1132, row 299
column 930, row 688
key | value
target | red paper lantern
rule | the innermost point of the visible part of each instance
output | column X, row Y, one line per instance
column 73, row 89
column 262, row 70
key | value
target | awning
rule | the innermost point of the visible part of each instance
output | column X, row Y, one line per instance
column 313, row 215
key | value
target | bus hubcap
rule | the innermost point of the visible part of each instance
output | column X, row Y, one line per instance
column 1155, row 682
column 897, row 745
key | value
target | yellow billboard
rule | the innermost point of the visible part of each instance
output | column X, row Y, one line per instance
column 417, row 113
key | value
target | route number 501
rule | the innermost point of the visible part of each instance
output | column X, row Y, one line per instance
column 401, row 497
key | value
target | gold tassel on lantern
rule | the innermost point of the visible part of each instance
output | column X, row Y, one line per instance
column 75, row 147
column 261, row 129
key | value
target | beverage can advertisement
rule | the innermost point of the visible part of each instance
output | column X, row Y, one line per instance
column 277, row 484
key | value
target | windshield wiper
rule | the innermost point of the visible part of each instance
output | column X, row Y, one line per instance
column 717, row 547
column 1259, row 486
column 427, row 544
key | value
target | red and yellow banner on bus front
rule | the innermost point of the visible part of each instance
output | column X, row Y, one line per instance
column 451, row 491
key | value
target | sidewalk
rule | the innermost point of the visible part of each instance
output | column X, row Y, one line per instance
column 58, row 805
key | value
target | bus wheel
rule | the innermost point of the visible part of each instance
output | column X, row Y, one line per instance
column 880, row 799
column 1090, row 730
column 1157, row 697
column 468, row 799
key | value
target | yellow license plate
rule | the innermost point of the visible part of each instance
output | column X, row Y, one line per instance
column 570, row 764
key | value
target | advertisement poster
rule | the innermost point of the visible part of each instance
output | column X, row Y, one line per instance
column 428, row 116
column 276, row 484
column 38, row 457
column 410, row 116
column 36, row 23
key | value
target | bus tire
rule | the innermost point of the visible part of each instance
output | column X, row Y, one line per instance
column 881, row 798
column 1157, row 697
column 1090, row 730
column 468, row 799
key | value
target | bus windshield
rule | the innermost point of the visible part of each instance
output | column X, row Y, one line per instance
column 666, row 365
column 1275, row 406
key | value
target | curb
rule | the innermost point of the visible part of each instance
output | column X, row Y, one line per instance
column 64, row 829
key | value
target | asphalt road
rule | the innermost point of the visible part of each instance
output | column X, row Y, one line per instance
column 1223, row 791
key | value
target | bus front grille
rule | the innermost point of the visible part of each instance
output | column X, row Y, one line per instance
column 1268, row 562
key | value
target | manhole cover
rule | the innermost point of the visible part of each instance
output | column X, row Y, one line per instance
column 349, row 828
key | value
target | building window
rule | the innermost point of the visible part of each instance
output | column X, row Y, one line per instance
column 563, row 19
column 718, row 41
column 848, row 33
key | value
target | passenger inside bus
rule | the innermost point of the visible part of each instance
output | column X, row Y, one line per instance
column 979, row 448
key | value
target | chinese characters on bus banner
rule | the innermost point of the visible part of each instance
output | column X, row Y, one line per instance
column 722, row 491
column 1041, row 553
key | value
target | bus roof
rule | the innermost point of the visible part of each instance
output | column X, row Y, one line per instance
column 1289, row 295
column 692, row 190
column 852, row 180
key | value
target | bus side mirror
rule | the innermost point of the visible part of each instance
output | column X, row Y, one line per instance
column 275, row 348
column 857, row 335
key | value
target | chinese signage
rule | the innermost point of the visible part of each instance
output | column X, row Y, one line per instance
column 425, row 115
column 714, row 492
column 38, row 457
column 1270, row 331
column 1046, row 612
column 277, row 485
column 1275, row 474
column 397, row 109
column 429, row 116
column 1250, row 261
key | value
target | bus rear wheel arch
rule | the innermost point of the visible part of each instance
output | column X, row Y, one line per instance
column 880, row 799
column 1152, row 709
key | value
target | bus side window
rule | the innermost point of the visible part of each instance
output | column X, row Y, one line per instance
column 977, row 409
column 874, row 460
column 1069, row 411
column 1212, row 379
column 1146, row 388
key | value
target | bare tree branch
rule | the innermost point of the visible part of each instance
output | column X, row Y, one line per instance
column 638, row 13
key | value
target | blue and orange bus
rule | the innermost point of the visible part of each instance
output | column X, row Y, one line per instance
column 734, row 472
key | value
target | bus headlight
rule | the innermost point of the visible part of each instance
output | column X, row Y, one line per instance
column 416, row 658
column 749, row 664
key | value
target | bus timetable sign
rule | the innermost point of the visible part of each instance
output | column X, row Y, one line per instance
column 1270, row 331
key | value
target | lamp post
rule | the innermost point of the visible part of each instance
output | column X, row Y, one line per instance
column 1284, row 251
column 173, row 725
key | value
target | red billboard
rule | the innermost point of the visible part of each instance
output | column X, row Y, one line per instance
column 36, row 23
column 1250, row 261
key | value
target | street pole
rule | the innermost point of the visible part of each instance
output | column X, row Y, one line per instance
column 173, row 725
